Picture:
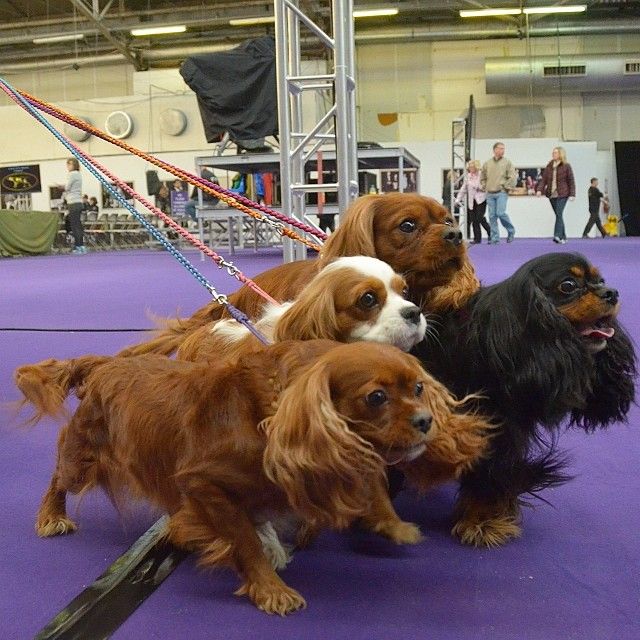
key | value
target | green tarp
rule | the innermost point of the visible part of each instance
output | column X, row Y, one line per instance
column 27, row 232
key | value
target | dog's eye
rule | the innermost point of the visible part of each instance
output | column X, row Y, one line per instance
column 368, row 300
column 376, row 398
column 568, row 286
column 407, row 226
column 448, row 222
column 405, row 293
column 419, row 389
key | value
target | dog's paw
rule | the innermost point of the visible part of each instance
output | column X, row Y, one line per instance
column 54, row 526
column 491, row 532
column 400, row 532
column 481, row 523
column 273, row 597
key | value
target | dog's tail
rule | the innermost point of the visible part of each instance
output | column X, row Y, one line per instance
column 542, row 472
column 173, row 332
column 47, row 384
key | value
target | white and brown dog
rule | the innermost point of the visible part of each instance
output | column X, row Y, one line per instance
column 352, row 299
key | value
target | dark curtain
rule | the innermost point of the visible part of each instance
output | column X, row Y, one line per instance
column 628, row 170
column 236, row 90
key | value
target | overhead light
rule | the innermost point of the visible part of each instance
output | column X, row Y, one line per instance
column 372, row 13
column 478, row 13
column 241, row 22
column 68, row 37
column 569, row 8
column 155, row 31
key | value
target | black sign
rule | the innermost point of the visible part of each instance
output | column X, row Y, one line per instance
column 24, row 179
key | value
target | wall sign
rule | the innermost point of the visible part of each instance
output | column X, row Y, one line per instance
column 20, row 179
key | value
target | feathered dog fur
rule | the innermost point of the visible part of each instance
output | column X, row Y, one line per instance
column 414, row 234
column 306, row 427
column 352, row 298
column 542, row 346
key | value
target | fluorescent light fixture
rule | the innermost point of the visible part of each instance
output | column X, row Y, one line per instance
column 242, row 22
column 569, row 8
column 372, row 13
column 155, row 31
column 478, row 13
column 68, row 37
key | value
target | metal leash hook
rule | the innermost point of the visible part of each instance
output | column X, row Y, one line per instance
column 231, row 268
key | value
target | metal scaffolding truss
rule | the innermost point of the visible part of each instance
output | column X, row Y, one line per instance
column 459, row 169
column 299, row 141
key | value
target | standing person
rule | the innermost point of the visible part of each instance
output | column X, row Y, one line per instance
column 558, row 185
column 93, row 205
column 73, row 196
column 207, row 199
column 449, row 184
column 476, row 201
column 497, row 177
column 595, row 198
column 163, row 200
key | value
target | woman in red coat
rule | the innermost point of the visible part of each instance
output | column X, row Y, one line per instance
column 558, row 185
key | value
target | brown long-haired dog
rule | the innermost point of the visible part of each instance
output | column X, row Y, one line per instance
column 306, row 427
column 353, row 298
column 414, row 234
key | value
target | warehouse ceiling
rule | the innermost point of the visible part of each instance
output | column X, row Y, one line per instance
column 102, row 28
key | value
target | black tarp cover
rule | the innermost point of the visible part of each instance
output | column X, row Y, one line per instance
column 236, row 90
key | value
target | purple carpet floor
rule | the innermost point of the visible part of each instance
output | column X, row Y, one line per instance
column 575, row 573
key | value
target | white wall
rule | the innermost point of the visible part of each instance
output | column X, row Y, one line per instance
column 421, row 87
column 427, row 84
column 531, row 216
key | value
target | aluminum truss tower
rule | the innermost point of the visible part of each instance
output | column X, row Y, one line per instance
column 459, row 169
column 299, row 142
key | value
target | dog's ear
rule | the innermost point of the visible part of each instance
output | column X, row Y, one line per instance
column 325, row 468
column 461, row 440
column 525, row 340
column 456, row 293
column 354, row 236
column 312, row 316
column 613, row 388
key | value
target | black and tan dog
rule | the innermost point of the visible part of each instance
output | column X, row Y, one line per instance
column 543, row 347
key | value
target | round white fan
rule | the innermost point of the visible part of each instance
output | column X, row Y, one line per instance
column 119, row 124
column 173, row 122
column 77, row 135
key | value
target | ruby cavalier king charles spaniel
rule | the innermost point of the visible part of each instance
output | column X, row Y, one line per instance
column 414, row 234
column 303, row 429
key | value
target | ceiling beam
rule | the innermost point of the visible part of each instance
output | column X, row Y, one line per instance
column 96, row 18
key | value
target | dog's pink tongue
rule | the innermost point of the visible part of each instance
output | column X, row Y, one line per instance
column 602, row 333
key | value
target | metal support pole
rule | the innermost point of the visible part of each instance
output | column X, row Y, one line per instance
column 300, row 141
column 346, row 143
column 459, row 169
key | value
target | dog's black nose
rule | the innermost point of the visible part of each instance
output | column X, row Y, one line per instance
column 454, row 236
column 611, row 296
column 411, row 314
column 422, row 421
